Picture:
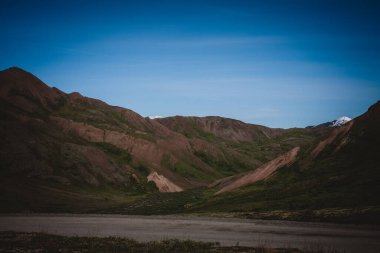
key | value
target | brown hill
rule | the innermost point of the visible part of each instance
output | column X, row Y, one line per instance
column 69, row 145
column 42, row 123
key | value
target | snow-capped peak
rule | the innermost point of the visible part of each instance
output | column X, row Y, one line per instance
column 155, row 117
column 340, row 122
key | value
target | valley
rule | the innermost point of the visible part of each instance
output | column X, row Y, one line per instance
column 69, row 153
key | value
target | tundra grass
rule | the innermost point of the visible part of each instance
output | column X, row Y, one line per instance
column 41, row 243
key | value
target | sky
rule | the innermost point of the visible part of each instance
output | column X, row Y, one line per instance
column 275, row 63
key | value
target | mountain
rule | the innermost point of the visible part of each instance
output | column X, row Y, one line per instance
column 74, row 147
column 69, row 153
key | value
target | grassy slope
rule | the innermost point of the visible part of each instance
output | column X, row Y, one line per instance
column 44, row 191
column 236, row 156
column 51, row 197
column 293, row 193
column 27, row 196
column 340, row 185
column 237, row 153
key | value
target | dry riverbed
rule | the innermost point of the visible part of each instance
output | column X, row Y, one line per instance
column 228, row 232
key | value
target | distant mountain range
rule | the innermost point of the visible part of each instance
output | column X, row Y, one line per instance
column 69, row 153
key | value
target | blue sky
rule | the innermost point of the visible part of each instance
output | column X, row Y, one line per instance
column 277, row 63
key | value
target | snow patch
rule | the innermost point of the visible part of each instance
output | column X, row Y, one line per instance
column 155, row 117
column 340, row 122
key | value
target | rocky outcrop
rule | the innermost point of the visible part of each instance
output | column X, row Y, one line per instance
column 163, row 184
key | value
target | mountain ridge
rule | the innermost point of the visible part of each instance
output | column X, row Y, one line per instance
column 147, row 140
column 67, row 152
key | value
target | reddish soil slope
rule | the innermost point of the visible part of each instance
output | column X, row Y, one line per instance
column 263, row 172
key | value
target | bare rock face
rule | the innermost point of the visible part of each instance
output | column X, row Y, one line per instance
column 263, row 172
column 163, row 184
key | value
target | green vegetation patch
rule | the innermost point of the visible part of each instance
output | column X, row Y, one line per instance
column 142, row 169
column 41, row 242
column 160, row 203
column 103, row 117
column 189, row 171
column 223, row 167
column 121, row 156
